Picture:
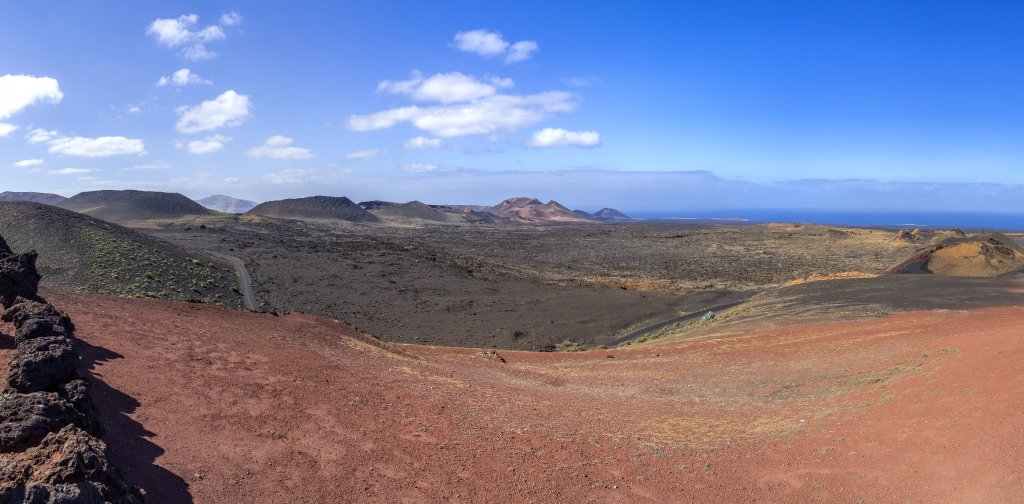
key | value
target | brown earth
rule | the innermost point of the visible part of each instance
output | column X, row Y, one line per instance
column 212, row 405
column 523, row 287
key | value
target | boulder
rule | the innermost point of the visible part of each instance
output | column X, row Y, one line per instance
column 24, row 309
column 38, row 328
column 25, row 419
column 76, row 393
column 42, row 364
column 67, row 466
column 18, row 276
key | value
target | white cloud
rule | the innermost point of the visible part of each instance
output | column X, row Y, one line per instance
column 182, row 33
column 490, row 115
column 155, row 165
column 490, row 44
column 40, row 135
column 291, row 176
column 208, row 145
column 182, row 77
column 557, row 137
column 231, row 19
column 422, row 143
column 419, row 168
column 450, row 87
column 521, row 51
column 228, row 109
column 97, row 147
column 365, row 154
column 27, row 163
column 134, row 109
column 483, row 42
column 278, row 147
column 6, row 129
column 70, row 171
column 20, row 91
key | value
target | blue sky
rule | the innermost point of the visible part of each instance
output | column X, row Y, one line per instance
column 474, row 102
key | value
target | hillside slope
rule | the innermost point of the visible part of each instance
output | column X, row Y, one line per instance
column 314, row 207
column 33, row 197
column 131, row 205
column 82, row 253
column 921, row 407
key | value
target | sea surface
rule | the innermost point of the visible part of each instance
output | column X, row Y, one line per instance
column 963, row 220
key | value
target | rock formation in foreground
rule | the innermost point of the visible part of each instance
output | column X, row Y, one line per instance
column 50, row 451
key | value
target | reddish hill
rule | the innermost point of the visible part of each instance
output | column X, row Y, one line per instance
column 920, row 406
column 531, row 210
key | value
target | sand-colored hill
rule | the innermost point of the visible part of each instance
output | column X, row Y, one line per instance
column 918, row 406
column 531, row 210
column 314, row 207
column 131, row 205
column 987, row 255
column 82, row 253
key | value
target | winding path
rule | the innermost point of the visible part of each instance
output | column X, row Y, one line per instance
column 244, row 281
column 663, row 324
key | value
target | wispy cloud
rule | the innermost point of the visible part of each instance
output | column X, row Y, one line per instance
column 278, row 147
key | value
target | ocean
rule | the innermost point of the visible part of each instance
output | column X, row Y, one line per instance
column 963, row 220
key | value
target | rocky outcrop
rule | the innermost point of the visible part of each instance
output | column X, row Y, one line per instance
column 50, row 451
column 18, row 275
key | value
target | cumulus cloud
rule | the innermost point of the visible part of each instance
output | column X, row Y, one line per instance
column 450, row 87
column 489, row 115
column 419, row 168
column 184, row 34
column 278, row 147
column 365, row 154
column 521, row 51
column 20, row 91
column 422, row 143
column 6, row 129
column 97, row 147
column 208, row 145
column 28, row 163
column 231, row 19
column 557, row 137
column 228, row 109
column 490, row 44
column 183, row 77
column 40, row 135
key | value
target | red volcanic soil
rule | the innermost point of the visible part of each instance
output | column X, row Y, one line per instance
column 221, row 406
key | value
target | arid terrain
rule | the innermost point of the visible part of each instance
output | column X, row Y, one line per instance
column 920, row 406
column 400, row 360
column 521, row 286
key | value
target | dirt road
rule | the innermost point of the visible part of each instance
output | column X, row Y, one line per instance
column 244, row 280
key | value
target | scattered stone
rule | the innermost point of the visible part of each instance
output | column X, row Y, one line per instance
column 492, row 355
column 42, row 364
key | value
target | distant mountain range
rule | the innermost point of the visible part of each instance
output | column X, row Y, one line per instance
column 132, row 205
column 32, row 197
column 226, row 204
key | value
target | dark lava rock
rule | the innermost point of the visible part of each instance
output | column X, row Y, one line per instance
column 42, row 364
column 38, row 328
column 18, row 276
column 67, row 466
column 27, row 418
column 24, row 309
column 76, row 393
